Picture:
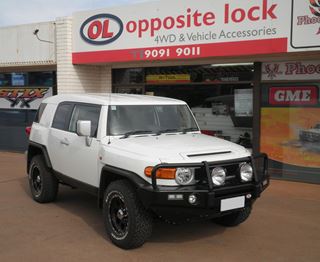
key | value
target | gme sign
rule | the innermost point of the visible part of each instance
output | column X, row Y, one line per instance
column 301, row 95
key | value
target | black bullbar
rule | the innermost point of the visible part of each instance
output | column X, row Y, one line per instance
column 209, row 194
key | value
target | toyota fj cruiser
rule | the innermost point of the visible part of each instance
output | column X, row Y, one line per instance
column 143, row 157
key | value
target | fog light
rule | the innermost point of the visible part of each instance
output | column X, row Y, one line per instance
column 248, row 196
column 192, row 199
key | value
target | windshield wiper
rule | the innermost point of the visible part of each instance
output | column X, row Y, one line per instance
column 137, row 132
column 169, row 130
column 190, row 129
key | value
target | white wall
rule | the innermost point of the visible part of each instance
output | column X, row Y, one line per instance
column 20, row 47
column 77, row 78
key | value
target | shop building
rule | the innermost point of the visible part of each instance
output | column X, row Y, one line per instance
column 250, row 71
column 27, row 75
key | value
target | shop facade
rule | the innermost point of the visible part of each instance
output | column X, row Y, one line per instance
column 27, row 76
column 247, row 69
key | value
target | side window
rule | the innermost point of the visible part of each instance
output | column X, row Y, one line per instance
column 38, row 116
column 85, row 112
column 61, row 116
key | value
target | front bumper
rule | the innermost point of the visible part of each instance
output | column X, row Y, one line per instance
column 173, row 202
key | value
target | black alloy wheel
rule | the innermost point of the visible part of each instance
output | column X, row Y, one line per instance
column 118, row 215
column 43, row 184
column 127, row 223
column 36, row 180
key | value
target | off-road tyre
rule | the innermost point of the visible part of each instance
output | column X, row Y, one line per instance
column 43, row 184
column 127, row 223
column 234, row 219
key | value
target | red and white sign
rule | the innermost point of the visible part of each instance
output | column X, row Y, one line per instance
column 173, row 29
column 305, row 24
column 307, row 70
column 299, row 95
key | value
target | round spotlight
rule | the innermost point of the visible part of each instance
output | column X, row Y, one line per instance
column 192, row 199
column 246, row 172
column 218, row 176
column 184, row 176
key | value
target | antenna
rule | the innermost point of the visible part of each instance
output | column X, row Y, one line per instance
column 109, row 109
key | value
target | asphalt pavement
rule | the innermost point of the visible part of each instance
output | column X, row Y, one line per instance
column 284, row 226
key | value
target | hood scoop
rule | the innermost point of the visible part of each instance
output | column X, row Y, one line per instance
column 209, row 154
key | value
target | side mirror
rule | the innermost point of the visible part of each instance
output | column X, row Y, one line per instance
column 84, row 128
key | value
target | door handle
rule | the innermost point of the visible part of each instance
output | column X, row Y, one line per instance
column 64, row 142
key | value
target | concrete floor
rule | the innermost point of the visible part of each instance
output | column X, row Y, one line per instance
column 284, row 226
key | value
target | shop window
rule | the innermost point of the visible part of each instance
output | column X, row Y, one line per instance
column 5, row 79
column 221, row 97
column 27, row 79
column 19, row 79
column 40, row 79
column 290, row 130
column 128, row 76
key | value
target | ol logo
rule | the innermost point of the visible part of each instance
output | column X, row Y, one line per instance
column 101, row 29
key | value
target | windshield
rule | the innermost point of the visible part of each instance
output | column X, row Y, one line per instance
column 144, row 119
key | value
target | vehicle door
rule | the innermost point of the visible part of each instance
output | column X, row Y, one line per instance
column 77, row 160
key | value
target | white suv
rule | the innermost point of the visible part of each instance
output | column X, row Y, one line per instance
column 143, row 157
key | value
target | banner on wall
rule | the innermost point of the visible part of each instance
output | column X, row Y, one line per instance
column 170, row 29
column 293, row 70
column 23, row 98
column 290, row 125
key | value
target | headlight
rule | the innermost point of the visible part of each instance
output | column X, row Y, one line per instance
column 185, row 176
column 218, row 176
column 246, row 172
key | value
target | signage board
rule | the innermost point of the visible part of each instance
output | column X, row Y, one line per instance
column 166, row 29
column 293, row 70
column 293, row 96
column 23, row 97
column 172, row 29
column 172, row 78
column 243, row 99
column 305, row 24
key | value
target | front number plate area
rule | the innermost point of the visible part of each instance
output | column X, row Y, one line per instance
column 232, row 203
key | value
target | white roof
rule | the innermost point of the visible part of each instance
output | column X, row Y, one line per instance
column 113, row 99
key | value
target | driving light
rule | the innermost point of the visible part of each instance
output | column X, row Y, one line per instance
column 184, row 176
column 218, row 175
column 246, row 172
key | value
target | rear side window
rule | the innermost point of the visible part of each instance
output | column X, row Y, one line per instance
column 85, row 112
column 62, row 116
column 39, row 113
